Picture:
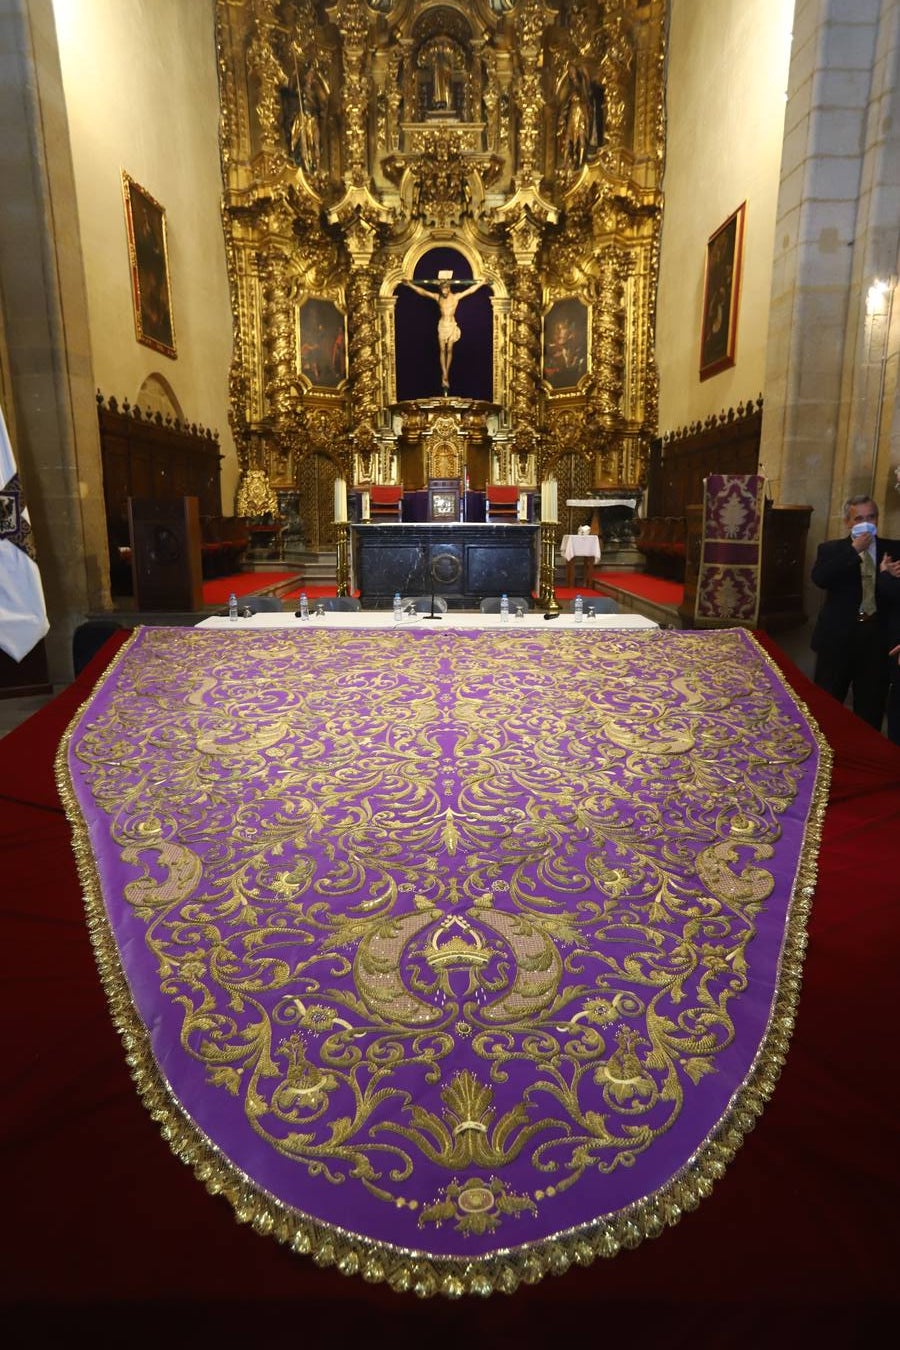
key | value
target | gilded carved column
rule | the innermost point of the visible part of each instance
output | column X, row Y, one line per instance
column 265, row 69
column 351, row 19
column 608, row 337
column 525, row 347
column 531, row 19
column 280, row 354
column 282, row 409
column 362, row 310
column 615, row 75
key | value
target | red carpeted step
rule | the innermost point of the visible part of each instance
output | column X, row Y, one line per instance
column 639, row 583
column 217, row 591
column 312, row 592
column 655, row 589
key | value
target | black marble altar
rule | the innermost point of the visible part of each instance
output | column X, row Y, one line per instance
column 462, row 562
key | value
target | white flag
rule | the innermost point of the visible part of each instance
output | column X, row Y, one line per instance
column 23, row 615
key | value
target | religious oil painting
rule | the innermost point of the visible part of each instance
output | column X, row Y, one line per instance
column 323, row 344
column 145, row 222
column 721, row 294
column 565, row 343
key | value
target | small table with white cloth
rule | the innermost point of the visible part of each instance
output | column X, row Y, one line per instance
column 612, row 515
column 586, row 548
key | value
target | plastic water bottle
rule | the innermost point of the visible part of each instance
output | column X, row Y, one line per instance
column 232, row 607
column 398, row 608
column 304, row 606
column 504, row 609
column 579, row 609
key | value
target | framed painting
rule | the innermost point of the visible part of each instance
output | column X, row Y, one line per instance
column 566, row 343
column 145, row 222
column 323, row 344
column 721, row 293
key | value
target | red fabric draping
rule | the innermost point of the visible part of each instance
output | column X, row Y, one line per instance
column 798, row 1236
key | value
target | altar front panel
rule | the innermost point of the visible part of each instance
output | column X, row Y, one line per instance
column 462, row 563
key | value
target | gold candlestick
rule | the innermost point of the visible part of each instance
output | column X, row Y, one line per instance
column 342, row 537
column 547, row 599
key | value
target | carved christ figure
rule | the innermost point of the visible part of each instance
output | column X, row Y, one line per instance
column 448, row 330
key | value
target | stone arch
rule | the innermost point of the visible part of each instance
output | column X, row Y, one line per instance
column 156, row 395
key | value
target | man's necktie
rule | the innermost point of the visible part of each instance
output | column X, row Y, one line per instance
column 868, row 583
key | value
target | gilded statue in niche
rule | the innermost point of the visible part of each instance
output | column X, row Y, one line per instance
column 579, row 127
column 306, row 132
column 438, row 58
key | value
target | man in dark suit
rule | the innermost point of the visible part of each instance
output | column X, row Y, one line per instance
column 860, row 575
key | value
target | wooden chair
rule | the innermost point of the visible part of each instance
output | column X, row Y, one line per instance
column 502, row 503
column 261, row 604
column 338, row 603
column 386, row 503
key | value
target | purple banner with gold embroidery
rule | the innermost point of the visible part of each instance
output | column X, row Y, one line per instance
column 728, row 581
column 449, row 957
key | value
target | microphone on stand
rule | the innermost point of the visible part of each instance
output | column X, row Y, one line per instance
column 432, row 615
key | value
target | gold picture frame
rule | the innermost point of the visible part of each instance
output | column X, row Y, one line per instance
column 322, row 343
column 148, row 255
column 566, row 344
column 721, row 294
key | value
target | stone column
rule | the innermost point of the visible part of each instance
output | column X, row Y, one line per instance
column 837, row 230
column 51, row 381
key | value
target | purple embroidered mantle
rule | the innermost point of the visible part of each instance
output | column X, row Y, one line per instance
column 449, row 942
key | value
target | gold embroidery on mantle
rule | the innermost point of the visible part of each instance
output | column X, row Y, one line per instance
column 455, row 938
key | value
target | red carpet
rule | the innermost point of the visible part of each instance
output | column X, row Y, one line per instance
column 312, row 592
column 217, row 591
column 638, row 583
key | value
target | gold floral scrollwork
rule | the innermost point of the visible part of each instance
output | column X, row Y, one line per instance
column 255, row 496
column 268, row 76
column 441, row 195
column 465, row 992
column 476, row 1206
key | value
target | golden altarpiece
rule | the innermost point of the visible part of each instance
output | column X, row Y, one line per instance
column 372, row 150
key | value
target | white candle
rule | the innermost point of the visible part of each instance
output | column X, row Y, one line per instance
column 545, row 500
column 340, row 499
column 551, row 502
